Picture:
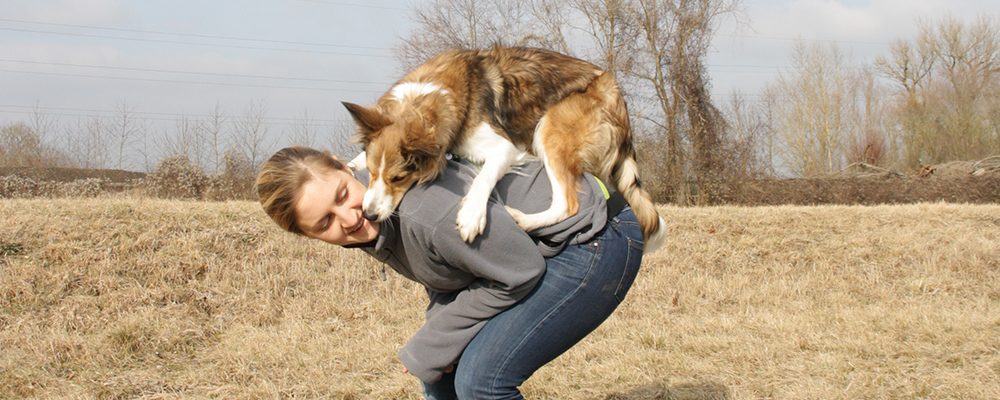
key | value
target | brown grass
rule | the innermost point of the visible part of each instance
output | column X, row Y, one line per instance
column 115, row 298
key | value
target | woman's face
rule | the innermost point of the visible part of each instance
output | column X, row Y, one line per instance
column 329, row 209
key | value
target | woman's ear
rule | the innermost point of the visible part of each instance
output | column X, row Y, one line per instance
column 345, row 166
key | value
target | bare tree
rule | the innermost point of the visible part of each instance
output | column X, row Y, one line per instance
column 468, row 24
column 695, row 25
column 303, row 130
column 185, row 142
column 947, row 83
column 749, row 151
column 551, row 23
column 652, row 64
column 669, row 61
column 250, row 132
column 44, row 127
column 870, row 126
column 816, row 105
column 339, row 142
column 909, row 66
column 21, row 146
column 144, row 145
column 969, row 68
column 43, row 124
column 612, row 30
column 122, row 130
column 212, row 131
column 88, row 143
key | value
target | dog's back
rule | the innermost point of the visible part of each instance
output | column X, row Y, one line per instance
column 510, row 87
column 531, row 81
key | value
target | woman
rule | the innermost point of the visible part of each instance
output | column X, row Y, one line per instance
column 501, row 306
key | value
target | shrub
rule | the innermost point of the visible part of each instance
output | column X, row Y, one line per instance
column 235, row 182
column 176, row 178
column 19, row 186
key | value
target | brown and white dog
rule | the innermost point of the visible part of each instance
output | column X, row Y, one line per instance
column 494, row 107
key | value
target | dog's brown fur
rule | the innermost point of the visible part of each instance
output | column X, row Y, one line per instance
column 565, row 110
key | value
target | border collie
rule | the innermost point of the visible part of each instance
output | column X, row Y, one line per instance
column 495, row 107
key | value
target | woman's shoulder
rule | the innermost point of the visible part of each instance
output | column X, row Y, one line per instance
column 437, row 200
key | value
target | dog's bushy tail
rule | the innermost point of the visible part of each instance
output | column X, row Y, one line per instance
column 625, row 173
column 628, row 183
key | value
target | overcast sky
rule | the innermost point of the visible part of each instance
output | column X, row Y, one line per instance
column 166, row 58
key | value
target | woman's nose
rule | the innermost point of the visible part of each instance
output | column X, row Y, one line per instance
column 347, row 216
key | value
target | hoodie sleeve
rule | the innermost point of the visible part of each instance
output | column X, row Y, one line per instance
column 506, row 266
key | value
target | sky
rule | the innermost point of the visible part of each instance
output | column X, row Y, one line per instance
column 73, row 59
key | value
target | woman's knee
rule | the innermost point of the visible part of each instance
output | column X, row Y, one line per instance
column 471, row 384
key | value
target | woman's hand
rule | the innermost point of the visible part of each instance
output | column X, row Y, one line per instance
column 446, row 370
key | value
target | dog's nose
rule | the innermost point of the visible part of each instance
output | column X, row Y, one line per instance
column 370, row 216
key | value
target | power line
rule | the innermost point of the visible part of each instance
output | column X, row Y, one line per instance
column 337, row 3
column 192, row 35
column 155, row 116
column 228, row 75
column 788, row 39
column 191, row 82
column 234, row 46
column 736, row 68
column 99, row 111
column 729, row 68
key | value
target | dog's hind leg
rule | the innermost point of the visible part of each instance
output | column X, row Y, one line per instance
column 565, row 203
column 564, row 139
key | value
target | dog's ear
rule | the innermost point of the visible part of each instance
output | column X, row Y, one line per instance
column 421, row 147
column 369, row 120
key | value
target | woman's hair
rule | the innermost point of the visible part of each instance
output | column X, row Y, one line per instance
column 282, row 176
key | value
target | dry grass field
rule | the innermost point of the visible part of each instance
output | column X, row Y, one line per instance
column 121, row 298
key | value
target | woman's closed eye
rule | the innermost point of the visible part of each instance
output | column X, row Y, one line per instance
column 324, row 223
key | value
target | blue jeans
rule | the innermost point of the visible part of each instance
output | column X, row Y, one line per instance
column 581, row 287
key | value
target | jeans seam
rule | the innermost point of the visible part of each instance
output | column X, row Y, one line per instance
column 562, row 302
column 628, row 261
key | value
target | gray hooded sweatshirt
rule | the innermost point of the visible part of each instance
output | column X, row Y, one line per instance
column 469, row 283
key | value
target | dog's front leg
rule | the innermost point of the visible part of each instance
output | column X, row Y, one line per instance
column 497, row 155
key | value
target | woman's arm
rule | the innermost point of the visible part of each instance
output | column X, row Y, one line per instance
column 504, row 265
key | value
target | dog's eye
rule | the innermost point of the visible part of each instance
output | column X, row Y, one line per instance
column 398, row 178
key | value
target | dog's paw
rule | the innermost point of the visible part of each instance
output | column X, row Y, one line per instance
column 471, row 221
column 519, row 217
column 358, row 162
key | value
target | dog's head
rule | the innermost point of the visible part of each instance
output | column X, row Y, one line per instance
column 402, row 150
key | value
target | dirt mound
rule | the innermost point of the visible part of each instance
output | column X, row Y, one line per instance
column 973, row 182
column 956, row 169
column 867, row 191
